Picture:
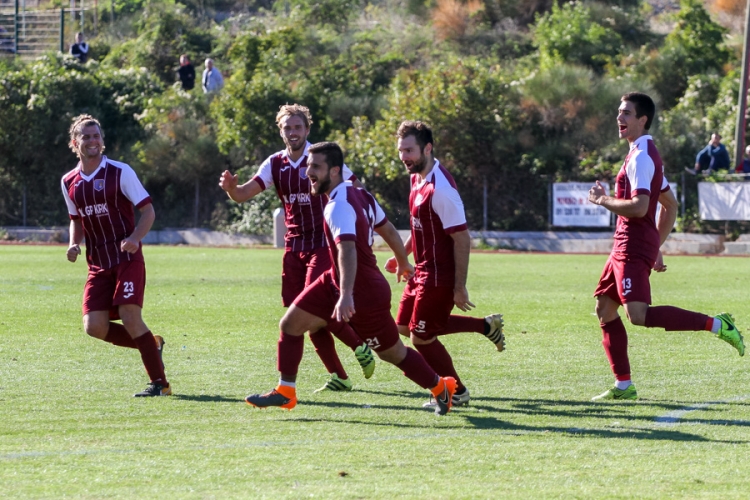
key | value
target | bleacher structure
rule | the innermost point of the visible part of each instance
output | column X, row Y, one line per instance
column 28, row 29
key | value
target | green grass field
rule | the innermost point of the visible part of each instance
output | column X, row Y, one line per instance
column 70, row 428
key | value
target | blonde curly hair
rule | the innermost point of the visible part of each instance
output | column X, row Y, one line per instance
column 79, row 122
column 294, row 110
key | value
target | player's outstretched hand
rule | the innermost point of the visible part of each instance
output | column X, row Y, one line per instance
column 461, row 299
column 344, row 309
column 73, row 252
column 228, row 182
column 659, row 265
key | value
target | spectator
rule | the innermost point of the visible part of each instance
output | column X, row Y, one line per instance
column 713, row 157
column 187, row 73
column 212, row 79
column 744, row 167
column 80, row 49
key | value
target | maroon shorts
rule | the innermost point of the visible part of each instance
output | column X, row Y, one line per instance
column 372, row 319
column 107, row 289
column 425, row 309
column 299, row 269
column 625, row 279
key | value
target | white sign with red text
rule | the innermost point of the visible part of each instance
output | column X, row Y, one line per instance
column 571, row 206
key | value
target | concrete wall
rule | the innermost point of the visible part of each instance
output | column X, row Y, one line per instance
column 541, row 241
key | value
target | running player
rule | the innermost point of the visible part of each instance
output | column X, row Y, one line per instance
column 306, row 256
column 441, row 243
column 100, row 194
column 639, row 185
column 353, row 290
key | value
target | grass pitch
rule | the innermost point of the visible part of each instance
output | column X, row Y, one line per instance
column 70, row 428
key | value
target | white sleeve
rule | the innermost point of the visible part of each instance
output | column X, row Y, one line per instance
column 640, row 171
column 447, row 204
column 379, row 213
column 131, row 187
column 264, row 173
column 665, row 183
column 341, row 219
column 346, row 173
column 72, row 209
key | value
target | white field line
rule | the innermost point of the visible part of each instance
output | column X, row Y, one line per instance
column 674, row 416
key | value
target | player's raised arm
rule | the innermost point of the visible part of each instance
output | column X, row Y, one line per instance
column 239, row 193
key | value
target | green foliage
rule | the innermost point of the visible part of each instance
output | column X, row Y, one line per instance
column 37, row 104
column 255, row 216
column 569, row 33
column 163, row 34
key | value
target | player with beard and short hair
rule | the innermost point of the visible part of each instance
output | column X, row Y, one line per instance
column 100, row 194
column 306, row 255
column 639, row 186
column 353, row 290
column 441, row 244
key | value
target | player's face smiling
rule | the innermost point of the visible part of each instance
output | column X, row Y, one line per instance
column 294, row 132
column 629, row 127
column 318, row 173
column 410, row 155
column 89, row 143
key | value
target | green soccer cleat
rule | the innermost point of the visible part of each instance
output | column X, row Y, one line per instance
column 366, row 360
column 618, row 394
column 336, row 384
column 729, row 333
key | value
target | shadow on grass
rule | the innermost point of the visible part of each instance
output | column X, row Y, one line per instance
column 204, row 398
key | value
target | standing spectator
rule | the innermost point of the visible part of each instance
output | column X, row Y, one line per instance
column 744, row 167
column 212, row 79
column 187, row 73
column 80, row 49
column 713, row 157
column 102, row 195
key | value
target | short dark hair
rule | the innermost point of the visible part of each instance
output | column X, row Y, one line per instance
column 644, row 105
column 332, row 152
column 420, row 130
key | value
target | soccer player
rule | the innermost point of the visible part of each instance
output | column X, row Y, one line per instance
column 306, row 256
column 100, row 194
column 639, row 185
column 353, row 290
column 441, row 243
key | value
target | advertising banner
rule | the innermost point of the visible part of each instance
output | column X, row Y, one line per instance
column 571, row 206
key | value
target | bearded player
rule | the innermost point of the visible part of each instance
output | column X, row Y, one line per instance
column 306, row 254
column 353, row 290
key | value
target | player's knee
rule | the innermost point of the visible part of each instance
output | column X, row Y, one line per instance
column 637, row 318
column 393, row 355
column 96, row 329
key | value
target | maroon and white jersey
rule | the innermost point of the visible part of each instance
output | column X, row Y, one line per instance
column 303, row 213
column 436, row 212
column 352, row 214
column 641, row 173
column 104, row 202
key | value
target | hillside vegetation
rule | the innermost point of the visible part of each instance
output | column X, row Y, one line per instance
column 519, row 93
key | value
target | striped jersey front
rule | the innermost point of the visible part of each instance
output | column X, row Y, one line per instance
column 104, row 201
column 303, row 213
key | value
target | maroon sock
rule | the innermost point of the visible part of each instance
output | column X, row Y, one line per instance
column 119, row 336
column 416, row 369
column 462, row 324
column 289, row 353
column 326, row 351
column 342, row 331
column 151, row 359
column 674, row 319
column 615, row 342
column 438, row 358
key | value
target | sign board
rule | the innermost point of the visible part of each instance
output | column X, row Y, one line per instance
column 724, row 200
column 571, row 206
